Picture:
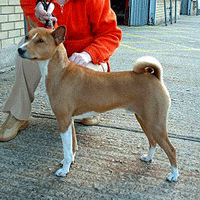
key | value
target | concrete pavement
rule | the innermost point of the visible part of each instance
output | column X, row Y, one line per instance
column 108, row 162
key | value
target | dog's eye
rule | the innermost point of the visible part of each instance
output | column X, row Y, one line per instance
column 40, row 40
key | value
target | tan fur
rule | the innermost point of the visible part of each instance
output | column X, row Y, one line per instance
column 74, row 90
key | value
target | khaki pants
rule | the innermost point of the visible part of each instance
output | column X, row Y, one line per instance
column 26, row 81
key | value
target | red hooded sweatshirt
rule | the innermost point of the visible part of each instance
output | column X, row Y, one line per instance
column 91, row 26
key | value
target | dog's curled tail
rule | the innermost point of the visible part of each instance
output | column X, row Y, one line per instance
column 148, row 64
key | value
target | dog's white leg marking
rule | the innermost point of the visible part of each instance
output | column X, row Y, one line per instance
column 173, row 175
column 44, row 73
column 149, row 157
column 73, row 158
column 68, row 154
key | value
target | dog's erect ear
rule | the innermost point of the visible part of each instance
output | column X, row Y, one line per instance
column 31, row 23
column 59, row 34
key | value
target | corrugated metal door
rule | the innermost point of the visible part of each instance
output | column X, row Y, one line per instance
column 138, row 12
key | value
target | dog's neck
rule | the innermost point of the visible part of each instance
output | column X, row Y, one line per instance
column 55, row 64
column 52, row 67
column 59, row 60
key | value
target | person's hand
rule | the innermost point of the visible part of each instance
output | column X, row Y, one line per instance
column 82, row 58
column 43, row 15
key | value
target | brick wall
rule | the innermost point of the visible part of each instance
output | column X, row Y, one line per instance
column 11, row 22
column 160, row 14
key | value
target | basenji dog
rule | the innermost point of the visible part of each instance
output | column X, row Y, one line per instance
column 77, row 92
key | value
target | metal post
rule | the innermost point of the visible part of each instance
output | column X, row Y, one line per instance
column 171, row 11
column 165, row 9
column 175, row 11
column 189, row 7
column 25, row 26
column 130, row 20
column 152, row 11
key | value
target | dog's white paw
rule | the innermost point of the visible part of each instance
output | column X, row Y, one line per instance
column 65, row 169
column 173, row 175
column 146, row 158
column 149, row 157
column 62, row 172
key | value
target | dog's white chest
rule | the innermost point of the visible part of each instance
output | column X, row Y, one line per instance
column 44, row 72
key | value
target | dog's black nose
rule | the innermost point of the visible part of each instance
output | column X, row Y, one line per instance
column 21, row 51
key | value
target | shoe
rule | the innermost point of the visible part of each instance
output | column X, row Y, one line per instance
column 11, row 127
column 91, row 121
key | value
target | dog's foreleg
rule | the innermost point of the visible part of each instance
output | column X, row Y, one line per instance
column 68, row 153
column 74, row 145
column 149, row 157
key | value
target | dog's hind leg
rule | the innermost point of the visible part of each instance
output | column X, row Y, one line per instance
column 152, row 143
column 156, row 128
column 163, row 140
